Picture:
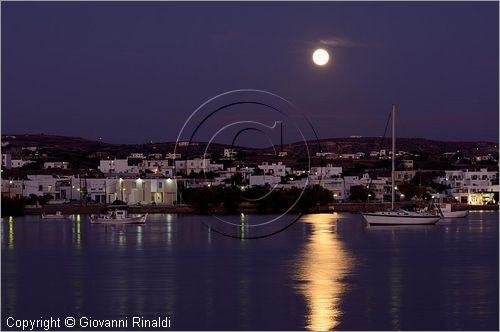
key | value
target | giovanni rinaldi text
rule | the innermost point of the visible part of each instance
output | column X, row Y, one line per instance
column 87, row 322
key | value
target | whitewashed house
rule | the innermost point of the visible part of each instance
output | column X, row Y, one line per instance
column 58, row 187
column 472, row 187
column 55, row 164
column 6, row 160
column 195, row 165
column 118, row 166
column 146, row 191
column 327, row 171
column 18, row 163
column 260, row 180
column 278, row 169
column 230, row 153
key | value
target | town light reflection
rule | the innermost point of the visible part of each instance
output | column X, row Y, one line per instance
column 169, row 229
column 320, row 268
column 78, row 240
column 139, row 236
column 10, row 243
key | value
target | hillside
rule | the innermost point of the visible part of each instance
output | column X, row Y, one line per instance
column 335, row 145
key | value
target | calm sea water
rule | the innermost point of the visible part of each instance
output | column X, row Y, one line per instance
column 327, row 271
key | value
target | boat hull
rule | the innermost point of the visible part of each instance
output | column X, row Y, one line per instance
column 392, row 220
column 53, row 217
column 124, row 221
column 455, row 214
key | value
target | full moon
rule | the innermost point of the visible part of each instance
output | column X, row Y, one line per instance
column 321, row 57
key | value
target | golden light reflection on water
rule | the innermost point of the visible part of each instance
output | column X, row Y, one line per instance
column 78, row 240
column 10, row 242
column 321, row 267
column 242, row 220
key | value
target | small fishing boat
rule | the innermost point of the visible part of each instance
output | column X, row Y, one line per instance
column 58, row 215
column 447, row 212
column 118, row 217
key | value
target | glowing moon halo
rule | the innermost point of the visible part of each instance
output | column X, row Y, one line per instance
column 321, row 57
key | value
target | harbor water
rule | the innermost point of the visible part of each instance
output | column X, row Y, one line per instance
column 326, row 271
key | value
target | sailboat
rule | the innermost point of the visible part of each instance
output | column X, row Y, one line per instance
column 399, row 217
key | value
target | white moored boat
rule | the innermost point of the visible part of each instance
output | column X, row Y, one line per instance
column 399, row 217
column 448, row 213
column 118, row 217
column 58, row 215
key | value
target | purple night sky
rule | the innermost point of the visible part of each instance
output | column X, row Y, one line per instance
column 132, row 72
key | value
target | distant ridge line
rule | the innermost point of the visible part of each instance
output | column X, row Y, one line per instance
column 18, row 137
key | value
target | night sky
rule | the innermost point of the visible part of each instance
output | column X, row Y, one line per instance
column 133, row 72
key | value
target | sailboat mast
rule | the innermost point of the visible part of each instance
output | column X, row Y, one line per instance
column 393, row 158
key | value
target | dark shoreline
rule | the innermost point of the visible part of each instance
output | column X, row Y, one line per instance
column 185, row 209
